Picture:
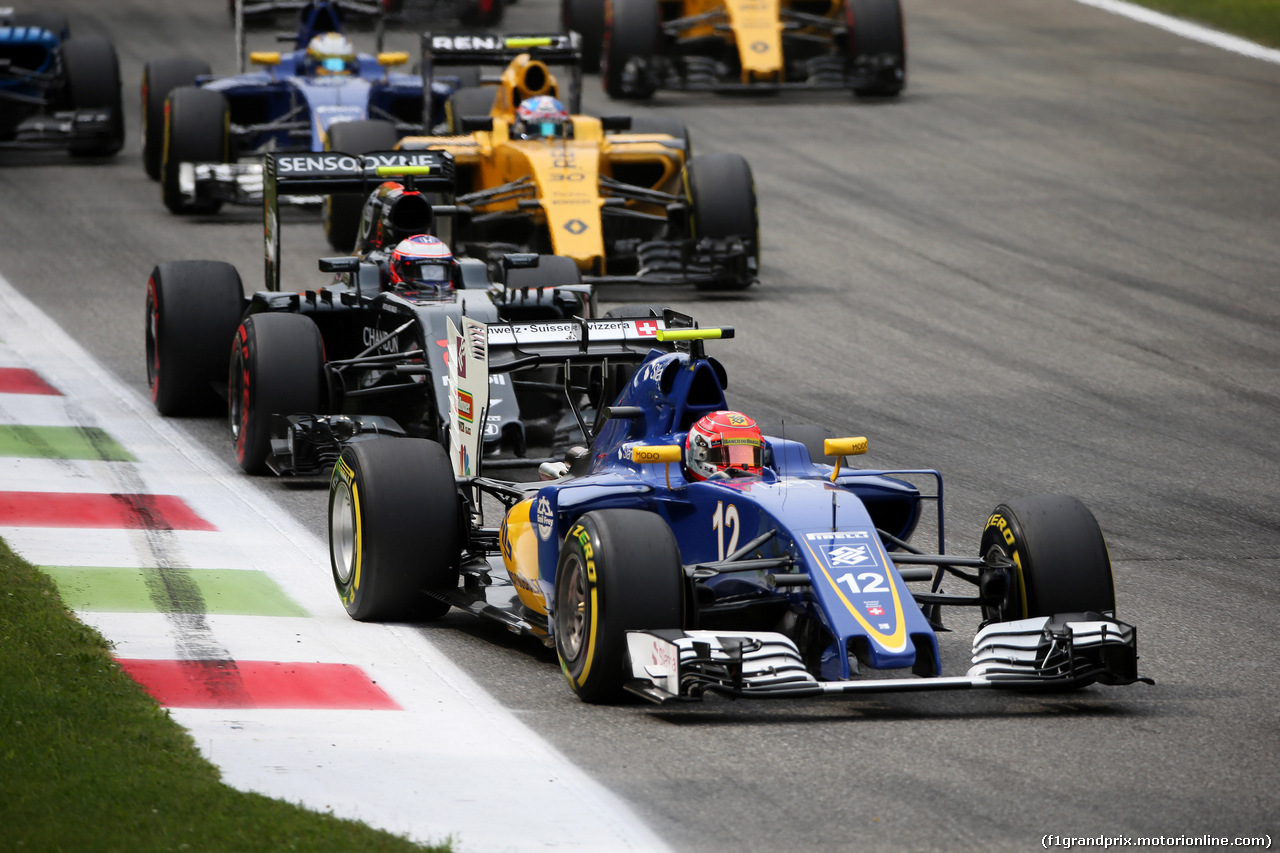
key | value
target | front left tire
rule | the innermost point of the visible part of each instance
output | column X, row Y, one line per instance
column 394, row 529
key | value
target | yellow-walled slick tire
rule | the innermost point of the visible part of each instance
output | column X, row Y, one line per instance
column 394, row 529
column 619, row 570
column 1060, row 558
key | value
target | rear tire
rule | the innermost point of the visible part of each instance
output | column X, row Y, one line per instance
column 722, row 203
column 619, row 570
column 197, row 124
column 1059, row 554
column 586, row 18
column 193, row 308
column 277, row 368
column 877, row 47
column 394, row 529
column 159, row 78
column 631, row 32
column 342, row 212
column 93, row 82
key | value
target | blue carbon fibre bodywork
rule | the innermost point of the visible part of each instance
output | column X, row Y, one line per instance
column 827, row 529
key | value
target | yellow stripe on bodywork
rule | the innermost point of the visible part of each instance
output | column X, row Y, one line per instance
column 895, row 642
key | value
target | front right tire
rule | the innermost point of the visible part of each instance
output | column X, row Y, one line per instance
column 632, row 36
column 197, row 130
column 619, row 570
column 159, row 78
column 277, row 368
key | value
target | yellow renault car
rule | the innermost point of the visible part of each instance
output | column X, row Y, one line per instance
column 620, row 195
column 743, row 45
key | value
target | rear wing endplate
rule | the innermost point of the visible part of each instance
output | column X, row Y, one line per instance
column 328, row 172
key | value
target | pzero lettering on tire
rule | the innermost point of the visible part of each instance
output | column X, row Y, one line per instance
column 394, row 531
column 1059, row 555
column 619, row 570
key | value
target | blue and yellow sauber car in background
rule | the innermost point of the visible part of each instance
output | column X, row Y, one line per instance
column 204, row 136
column 795, row 582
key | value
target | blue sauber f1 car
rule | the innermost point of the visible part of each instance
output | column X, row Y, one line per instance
column 794, row 578
column 204, row 137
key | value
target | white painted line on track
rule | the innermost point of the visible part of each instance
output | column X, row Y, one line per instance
column 447, row 765
column 1186, row 29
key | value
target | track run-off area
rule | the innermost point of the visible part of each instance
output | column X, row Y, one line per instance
column 215, row 604
column 1050, row 266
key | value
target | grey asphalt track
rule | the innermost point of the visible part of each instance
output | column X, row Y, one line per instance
column 1052, row 265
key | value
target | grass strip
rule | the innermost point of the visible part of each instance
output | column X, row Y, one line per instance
column 88, row 761
column 1255, row 20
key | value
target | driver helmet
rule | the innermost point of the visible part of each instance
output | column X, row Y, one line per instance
column 421, row 262
column 331, row 54
column 724, row 442
column 542, row 117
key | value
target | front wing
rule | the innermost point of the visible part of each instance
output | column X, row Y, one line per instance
column 1059, row 652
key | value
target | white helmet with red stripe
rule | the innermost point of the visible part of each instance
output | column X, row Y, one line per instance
column 724, row 442
column 421, row 262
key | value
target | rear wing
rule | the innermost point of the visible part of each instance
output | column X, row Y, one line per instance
column 554, row 49
column 328, row 172
column 477, row 350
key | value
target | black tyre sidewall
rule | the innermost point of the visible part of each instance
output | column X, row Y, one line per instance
column 1060, row 555
column 406, row 517
column 277, row 368
column 585, row 17
column 631, row 29
column 196, row 131
column 93, row 82
column 159, row 78
column 721, row 194
column 193, row 308
column 342, row 212
column 633, row 574
column 876, row 28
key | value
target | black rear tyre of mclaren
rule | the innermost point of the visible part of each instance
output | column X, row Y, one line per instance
column 193, row 308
